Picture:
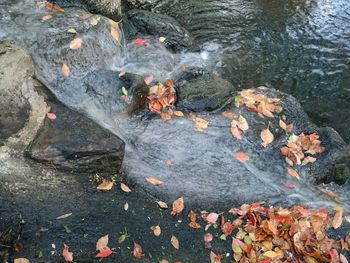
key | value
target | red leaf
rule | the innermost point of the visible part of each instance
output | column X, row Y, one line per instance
column 104, row 253
column 140, row 42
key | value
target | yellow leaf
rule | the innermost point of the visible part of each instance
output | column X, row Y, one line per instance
column 165, row 116
column 267, row 137
column 175, row 242
column 125, row 188
column 105, row 185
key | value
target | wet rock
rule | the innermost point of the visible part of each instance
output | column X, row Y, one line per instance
column 158, row 25
column 199, row 90
column 75, row 142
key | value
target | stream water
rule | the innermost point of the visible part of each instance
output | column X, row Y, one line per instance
column 300, row 47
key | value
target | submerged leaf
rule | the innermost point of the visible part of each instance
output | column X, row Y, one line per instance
column 267, row 137
column 76, row 43
column 125, row 188
column 154, row 181
column 138, row 251
column 102, row 243
column 293, row 173
column 175, row 242
column 338, row 218
column 104, row 253
column 105, row 185
column 178, row 206
column 68, row 256
column 241, row 156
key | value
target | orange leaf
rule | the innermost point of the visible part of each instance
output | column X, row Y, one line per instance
column 105, row 185
column 168, row 162
column 178, row 113
column 236, row 133
column 175, row 242
column 338, row 218
column 165, row 116
column 162, row 205
column 178, row 206
column 51, row 116
column 283, row 125
column 104, row 253
column 138, row 251
column 154, row 181
column 241, row 156
column 76, row 43
column 156, row 231
column 65, row 70
column 229, row 115
column 267, row 137
column 68, row 256
column 140, row 42
column 125, row 188
column 293, row 173
column 54, row 8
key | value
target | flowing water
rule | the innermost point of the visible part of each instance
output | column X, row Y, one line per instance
column 299, row 47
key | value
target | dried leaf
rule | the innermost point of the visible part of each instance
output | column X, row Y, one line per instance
column 21, row 260
column 168, row 162
column 165, row 116
column 343, row 259
column 201, row 124
column 162, row 39
column 156, row 230
column 68, row 256
column 236, row 133
column 115, row 31
column 102, row 243
column 46, row 17
column 267, row 137
column 215, row 258
column 229, row 115
column 293, row 173
column 105, row 185
column 63, row 216
column 162, row 205
column 212, row 218
column 138, row 251
column 125, row 188
column 154, row 181
column 51, row 116
column 104, row 253
column 178, row 113
column 242, row 123
column 175, row 242
column 94, row 21
column 140, row 42
column 76, row 43
column 241, row 156
column 283, row 125
column 178, row 206
column 338, row 218
column 54, row 8
column 149, row 80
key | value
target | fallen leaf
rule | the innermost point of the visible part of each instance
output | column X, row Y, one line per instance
column 242, row 123
column 267, row 137
column 115, row 31
column 162, row 39
column 72, row 31
column 343, row 259
column 178, row 113
column 21, row 260
column 121, row 74
column 178, row 206
column 208, row 237
column 149, row 80
column 338, row 217
column 18, row 246
column 283, row 125
column 229, row 115
column 63, row 216
column 104, row 253
column 156, row 230
column 126, row 206
column 65, row 70
column 212, row 218
column 175, row 242
column 289, row 186
column 138, row 251
column 54, row 8
column 237, row 133
column 76, row 43
column 201, row 124
column 68, row 256
column 162, row 205
column 241, row 156
column 94, row 21
column 164, row 261
column 51, row 116
column 46, row 17
column 168, row 162
column 125, row 188
column 105, row 185
column 154, row 181
column 140, row 42
column 165, row 116
column 293, row 173
column 215, row 258
column 102, row 243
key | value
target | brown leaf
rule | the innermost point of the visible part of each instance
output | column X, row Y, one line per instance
column 162, row 205
column 267, row 137
column 76, row 43
column 201, row 124
column 138, row 251
column 193, row 218
column 65, row 70
column 229, row 115
column 165, row 116
column 102, row 243
column 293, row 173
column 115, row 31
column 175, row 242
column 156, row 230
column 241, row 156
column 18, row 246
column 68, row 256
column 178, row 206
column 154, row 181
column 178, row 113
column 54, row 8
column 125, row 188
column 105, row 185
column 338, row 218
